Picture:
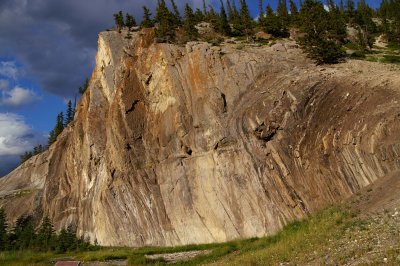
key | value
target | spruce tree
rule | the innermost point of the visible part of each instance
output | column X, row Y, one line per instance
column 350, row 11
column 272, row 24
column 165, row 31
column 189, row 24
column 318, row 41
column 147, row 22
column 223, row 24
column 58, row 128
column 341, row 7
column 260, row 9
column 293, row 12
column 23, row 235
column 176, row 16
column 205, row 8
column 213, row 18
column 46, row 235
column 331, row 5
column 84, row 87
column 130, row 21
column 367, row 27
column 119, row 20
column 282, row 14
column 230, row 10
column 69, row 114
column 245, row 18
column 3, row 230
column 236, row 21
column 198, row 16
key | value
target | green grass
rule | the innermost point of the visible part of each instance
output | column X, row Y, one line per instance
column 393, row 46
column 391, row 59
column 290, row 244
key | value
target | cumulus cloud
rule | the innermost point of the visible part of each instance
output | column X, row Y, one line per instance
column 18, row 97
column 8, row 69
column 56, row 41
column 16, row 137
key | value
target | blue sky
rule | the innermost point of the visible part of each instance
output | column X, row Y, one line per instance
column 47, row 49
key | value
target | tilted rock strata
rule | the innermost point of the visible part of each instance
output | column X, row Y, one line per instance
column 176, row 145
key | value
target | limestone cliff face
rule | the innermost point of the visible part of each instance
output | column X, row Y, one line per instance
column 176, row 145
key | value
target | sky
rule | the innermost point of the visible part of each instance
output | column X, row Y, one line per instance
column 47, row 49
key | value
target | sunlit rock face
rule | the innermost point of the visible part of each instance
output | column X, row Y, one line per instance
column 174, row 145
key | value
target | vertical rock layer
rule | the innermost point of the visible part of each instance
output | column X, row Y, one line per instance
column 176, row 145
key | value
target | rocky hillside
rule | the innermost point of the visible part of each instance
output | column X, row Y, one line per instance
column 176, row 145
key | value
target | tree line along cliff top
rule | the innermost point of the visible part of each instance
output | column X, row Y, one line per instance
column 323, row 30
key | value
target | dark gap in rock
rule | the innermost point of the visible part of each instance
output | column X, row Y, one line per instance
column 148, row 80
column 225, row 105
column 187, row 150
column 132, row 108
column 113, row 173
column 128, row 147
column 270, row 136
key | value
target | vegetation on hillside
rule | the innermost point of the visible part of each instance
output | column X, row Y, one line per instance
column 332, row 236
column 323, row 29
column 26, row 235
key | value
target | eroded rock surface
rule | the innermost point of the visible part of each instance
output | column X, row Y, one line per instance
column 176, row 145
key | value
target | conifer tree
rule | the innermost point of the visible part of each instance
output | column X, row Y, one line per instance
column 230, row 10
column 3, row 230
column 213, row 18
column 273, row 24
column 198, row 16
column 176, row 16
column 245, row 18
column 69, row 114
column 350, row 11
column 119, row 20
column 331, row 5
column 147, row 22
column 165, row 31
column 205, row 8
column 341, row 7
column 282, row 14
column 189, row 24
column 236, row 21
column 260, row 9
column 58, row 128
column 46, row 235
column 366, row 26
column 293, row 12
column 318, row 41
column 84, row 87
column 23, row 236
column 130, row 21
column 223, row 24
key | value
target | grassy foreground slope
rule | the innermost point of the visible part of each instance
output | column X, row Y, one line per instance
column 332, row 236
column 363, row 231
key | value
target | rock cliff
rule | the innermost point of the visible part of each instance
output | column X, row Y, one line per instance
column 199, row 143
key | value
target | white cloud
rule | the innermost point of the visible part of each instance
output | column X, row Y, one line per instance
column 19, row 96
column 8, row 69
column 4, row 84
column 16, row 136
column 326, row 7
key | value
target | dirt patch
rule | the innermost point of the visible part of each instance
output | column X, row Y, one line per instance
column 178, row 256
column 106, row 263
column 383, row 195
